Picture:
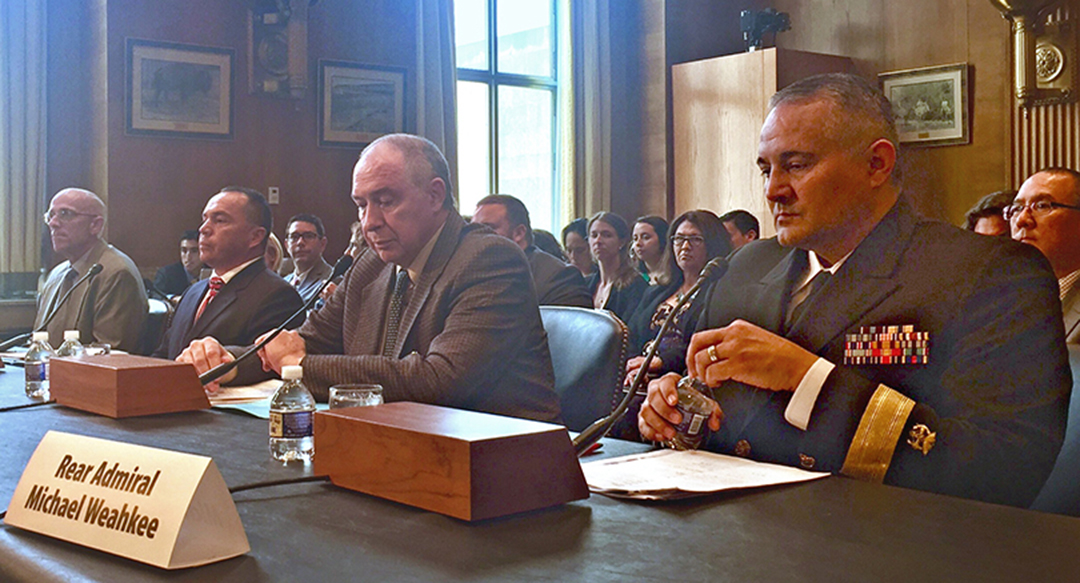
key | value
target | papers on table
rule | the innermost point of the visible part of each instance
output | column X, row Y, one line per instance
column 668, row 474
column 245, row 394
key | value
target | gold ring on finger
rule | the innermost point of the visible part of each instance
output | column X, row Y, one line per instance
column 712, row 353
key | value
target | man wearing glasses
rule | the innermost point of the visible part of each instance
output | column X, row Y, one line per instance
column 1046, row 215
column 111, row 307
column 306, row 241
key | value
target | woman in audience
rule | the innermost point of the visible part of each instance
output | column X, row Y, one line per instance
column 575, row 242
column 697, row 237
column 650, row 240
column 616, row 286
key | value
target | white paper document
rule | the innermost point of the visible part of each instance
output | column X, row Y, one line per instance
column 668, row 474
column 245, row 394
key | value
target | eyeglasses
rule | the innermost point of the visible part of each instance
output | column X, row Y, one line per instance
column 693, row 240
column 1039, row 208
column 306, row 235
column 64, row 215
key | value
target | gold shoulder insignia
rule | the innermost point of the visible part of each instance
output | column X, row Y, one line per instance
column 920, row 438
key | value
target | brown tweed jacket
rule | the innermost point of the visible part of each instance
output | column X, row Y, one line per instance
column 471, row 335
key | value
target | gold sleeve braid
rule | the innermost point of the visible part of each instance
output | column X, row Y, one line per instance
column 879, row 430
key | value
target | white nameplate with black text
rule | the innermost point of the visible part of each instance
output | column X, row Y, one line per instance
column 165, row 508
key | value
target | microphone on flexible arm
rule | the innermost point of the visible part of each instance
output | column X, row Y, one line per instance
column 343, row 264
column 713, row 270
column 90, row 274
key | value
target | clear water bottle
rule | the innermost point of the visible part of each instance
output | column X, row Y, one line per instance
column 292, row 414
column 37, row 366
column 695, row 407
column 71, row 345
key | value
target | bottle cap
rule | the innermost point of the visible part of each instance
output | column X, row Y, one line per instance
column 71, row 334
column 42, row 336
column 290, row 373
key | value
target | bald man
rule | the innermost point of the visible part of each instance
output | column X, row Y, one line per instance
column 112, row 306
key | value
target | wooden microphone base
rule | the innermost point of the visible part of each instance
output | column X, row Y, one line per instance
column 463, row 464
column 121, row 385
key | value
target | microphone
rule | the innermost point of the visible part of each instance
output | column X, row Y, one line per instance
column 90, row 274
column 222, row 369
column 713, row 270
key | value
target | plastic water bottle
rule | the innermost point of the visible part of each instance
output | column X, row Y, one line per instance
column 695, row 407
column 71, row 345
column 37, row 366
column 292, row 414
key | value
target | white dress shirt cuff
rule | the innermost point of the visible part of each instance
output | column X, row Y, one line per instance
column 805, row 396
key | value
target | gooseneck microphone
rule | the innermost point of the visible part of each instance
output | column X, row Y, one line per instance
column 222, row 369
column 90, row 274
column 713, row 270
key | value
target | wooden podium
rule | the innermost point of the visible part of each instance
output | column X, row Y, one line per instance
column 122, row 385
column 464, row 464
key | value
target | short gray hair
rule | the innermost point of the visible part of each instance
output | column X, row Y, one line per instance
column 416, row 148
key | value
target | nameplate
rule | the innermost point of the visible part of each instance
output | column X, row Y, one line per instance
column 164, row 508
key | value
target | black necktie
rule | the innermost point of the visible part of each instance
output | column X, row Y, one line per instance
column 393, row 318
column 815, row 286
column 65, row 284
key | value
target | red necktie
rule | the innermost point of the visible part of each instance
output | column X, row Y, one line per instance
column 215, row 286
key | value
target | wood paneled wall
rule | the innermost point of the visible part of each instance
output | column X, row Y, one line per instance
column 157, row 187
column 1048, row 135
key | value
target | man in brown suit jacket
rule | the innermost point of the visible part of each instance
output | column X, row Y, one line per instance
column 469, row 334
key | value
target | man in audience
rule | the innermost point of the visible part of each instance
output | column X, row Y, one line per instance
column 802, row 360
column 986, row 217
column 1046, row 215
column 742, row 226
column 111, row 307
column 243, row 298
column 306, row 239
column 575, row 239
column 174, row 278
column 557, row 284
column 436, row 310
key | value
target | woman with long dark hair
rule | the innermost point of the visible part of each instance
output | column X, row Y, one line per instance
column 616, row 286
column 649, row 242
column 696, row 237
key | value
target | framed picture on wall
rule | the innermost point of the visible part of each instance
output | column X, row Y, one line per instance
column 176, row 90
column 358, row 103
column 931, row 105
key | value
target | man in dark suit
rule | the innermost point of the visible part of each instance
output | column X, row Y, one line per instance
column 1046, row 215
column 249, row 299
column 435, row 310
column 557, row 283
column 174, row 278
column 929, row 357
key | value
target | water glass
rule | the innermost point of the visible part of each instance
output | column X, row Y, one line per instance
column 342, row 396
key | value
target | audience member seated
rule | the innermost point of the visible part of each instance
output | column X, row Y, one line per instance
column 575, row 241
column 742, row 226
column 174, row 278
column 112, row 306
column 986, row 218
column 436, row 311
column 556, row 283
column 547, row 243
column 1046, row 215
column 977, row 408
column 242, row 299
column 647, row 249
column 306, row 239
column 616, row 286
column 698, row 236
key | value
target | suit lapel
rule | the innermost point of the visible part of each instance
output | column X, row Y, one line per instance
column 225, row 298
column 861, row 283
column 440, row 255
column 1071, row 310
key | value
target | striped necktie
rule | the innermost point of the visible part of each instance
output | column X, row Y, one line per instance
column 215, row 285
column 393, row 318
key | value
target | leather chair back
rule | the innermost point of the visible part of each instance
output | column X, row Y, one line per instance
column 1061, row 493
column 157, row 320
column 588, row 352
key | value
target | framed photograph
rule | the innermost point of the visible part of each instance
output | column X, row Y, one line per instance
column 358, row 103
column 931, row 105
column 176, row 90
